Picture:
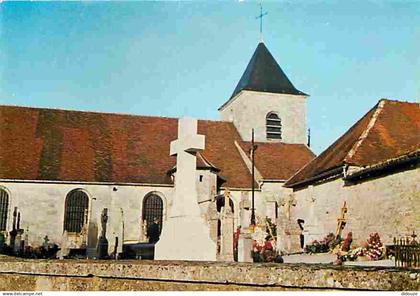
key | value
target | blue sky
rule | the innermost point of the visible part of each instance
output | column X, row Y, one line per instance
column 185, row 58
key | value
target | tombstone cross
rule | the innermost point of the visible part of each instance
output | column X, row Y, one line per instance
column 185, row 149
column 227, row 198
column 104, row 220
column 341, row 221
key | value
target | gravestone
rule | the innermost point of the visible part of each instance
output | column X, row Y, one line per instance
column 143, row 234
column 13, row 232
column 18, row 242
column 26, row 240
column 92, row 240
column 119, row 233
column 102, row 250
column 46, row 244
column 245, row 237
column 226, row 248
column 288, row 230
column 213, row 217
column 64, row 246
column 185, row 235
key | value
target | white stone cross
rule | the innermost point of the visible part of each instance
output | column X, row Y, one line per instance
column 185, row 234
column 185, row 149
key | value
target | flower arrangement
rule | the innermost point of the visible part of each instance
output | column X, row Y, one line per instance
column 325, row 245
column 373, row 250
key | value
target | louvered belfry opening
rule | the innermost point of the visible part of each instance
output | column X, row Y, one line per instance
column 152, row 209
column 76, row 211
column 4, row 206
column 273, row 125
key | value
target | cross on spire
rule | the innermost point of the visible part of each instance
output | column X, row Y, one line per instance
column 261, row 20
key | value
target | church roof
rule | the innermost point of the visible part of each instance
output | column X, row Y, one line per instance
column 264, row 74
column 59, row 145
column 279, row 161
column 391, row 129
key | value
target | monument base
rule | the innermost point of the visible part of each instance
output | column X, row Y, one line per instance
column 245, row 247
column 289, row 243
column 185, row 238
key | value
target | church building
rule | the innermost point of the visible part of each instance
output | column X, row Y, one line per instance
column 59, row 169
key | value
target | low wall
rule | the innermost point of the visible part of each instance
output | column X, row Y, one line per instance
column 77, row 275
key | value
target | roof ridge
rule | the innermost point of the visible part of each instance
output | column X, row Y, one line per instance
column 365, row 133
column 86, row 111
column 106, row 113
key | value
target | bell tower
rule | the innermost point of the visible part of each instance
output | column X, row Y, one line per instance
column 265, row 100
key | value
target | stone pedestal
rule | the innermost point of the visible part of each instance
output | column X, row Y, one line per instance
column 226, row 249
column 18, row 242
column 185, row 238
column 245, row 247
column 288, row 235
column 185, row 234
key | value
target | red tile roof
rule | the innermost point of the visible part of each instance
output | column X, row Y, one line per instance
column 62, row 145
column 389, row 130
column 279, row 161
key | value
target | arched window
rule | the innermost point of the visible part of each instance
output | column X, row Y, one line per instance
column 4, row 207
column 153, row 209
column 273, row 126
column 76, row 211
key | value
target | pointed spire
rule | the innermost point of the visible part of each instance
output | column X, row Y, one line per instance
column 264, row 74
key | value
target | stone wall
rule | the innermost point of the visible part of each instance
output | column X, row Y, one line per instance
column 389, row 205
column 250, row 108
column 42, row 207
column 80, row 275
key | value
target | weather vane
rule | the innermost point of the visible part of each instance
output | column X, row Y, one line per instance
column 261, row 20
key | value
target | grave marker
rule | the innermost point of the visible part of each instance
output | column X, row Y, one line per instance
column 185, row 234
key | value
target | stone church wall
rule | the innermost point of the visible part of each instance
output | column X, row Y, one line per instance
column 389, row 205
column 42, row 207
column 249, row 110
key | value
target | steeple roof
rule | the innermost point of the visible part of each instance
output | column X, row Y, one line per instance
column 264, row 74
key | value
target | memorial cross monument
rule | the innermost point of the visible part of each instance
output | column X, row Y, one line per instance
column 185, row 234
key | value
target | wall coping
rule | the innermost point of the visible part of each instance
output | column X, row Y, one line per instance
column 290, row 275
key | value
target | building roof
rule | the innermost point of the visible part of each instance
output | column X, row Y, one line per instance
column 61, row 145
column 279, row 161
column 264, row 74
column 391, row 129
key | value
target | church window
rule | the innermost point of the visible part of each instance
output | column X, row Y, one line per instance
column 273, row 126
column 201, row 178
column 76, row 211
column 4, row 206
column 153, row 209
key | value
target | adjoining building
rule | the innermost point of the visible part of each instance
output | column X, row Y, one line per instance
column 374, row 168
